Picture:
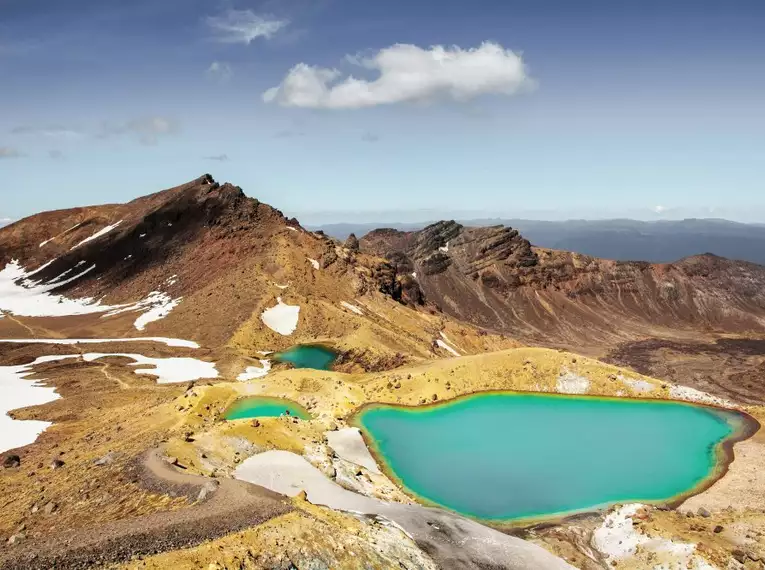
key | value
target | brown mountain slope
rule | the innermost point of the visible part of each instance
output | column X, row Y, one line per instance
column 218, row 259
column 493, row 278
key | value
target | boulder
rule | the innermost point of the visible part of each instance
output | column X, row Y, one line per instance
column 11, row 461
column 107, row 459
column 16, row 538
column 56, row 464
column 352, row 243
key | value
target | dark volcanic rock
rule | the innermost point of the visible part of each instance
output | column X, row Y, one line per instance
column 438, row 262
column 11, row 461
column 352, row 242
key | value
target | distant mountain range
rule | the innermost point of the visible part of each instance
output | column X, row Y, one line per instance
column 619, row 239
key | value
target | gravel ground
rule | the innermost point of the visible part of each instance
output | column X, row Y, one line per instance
column 226, row 506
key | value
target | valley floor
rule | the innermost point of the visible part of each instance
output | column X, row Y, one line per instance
column 108, row 418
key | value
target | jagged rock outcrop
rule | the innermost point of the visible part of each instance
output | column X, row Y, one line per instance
column 494, row 278
column 352, row 243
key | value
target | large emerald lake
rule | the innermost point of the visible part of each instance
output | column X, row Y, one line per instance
column 505, row 456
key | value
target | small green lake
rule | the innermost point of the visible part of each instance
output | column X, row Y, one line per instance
column 262, row 407
column 501, row 456
column 308, row 356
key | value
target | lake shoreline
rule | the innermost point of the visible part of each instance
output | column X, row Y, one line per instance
column 745, row 428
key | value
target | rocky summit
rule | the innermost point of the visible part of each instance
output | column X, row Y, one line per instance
column 128, row 333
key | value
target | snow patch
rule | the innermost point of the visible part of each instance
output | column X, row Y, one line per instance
column 692, row 395
column 444, row 248
column 292, row 229
column 282, row 287
column 282, row 318
column 618, row 538
column 43, row 266
column 17, row 392
column 176, row 342
column 314, row 262
column 349, row 445
column 414, row 274
column 639, row 386
column 167, row 370
column 253, row 372
column 452, row 348
column 161, row 305
column 570, row 383
column 352, row 308
column 47, row 241
column 157, row 305
column 446, row 347
column 20, row 296
column 172, row 280
column 98, row 234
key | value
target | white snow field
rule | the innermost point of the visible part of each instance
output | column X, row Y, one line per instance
column 22, row 296
column 282, row 318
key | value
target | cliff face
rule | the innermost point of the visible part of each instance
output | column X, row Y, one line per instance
column 494, row 278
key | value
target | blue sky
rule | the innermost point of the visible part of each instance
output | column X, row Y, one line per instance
column 548, row 108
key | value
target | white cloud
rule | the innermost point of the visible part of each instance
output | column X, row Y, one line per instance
column 660, row 209
column 148, row 130
column 218, row 157
column 9, row 152
column 244, row 26
column 220, row 71
column 406, row 73
column 5, row 221
column 51, row 131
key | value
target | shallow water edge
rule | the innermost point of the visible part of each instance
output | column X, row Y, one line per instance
column 743, row 427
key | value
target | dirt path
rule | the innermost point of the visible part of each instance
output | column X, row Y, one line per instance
column 105, row 371
column 222, row 507
column 10, row 317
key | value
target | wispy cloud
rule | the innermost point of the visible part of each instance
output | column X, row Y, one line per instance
column 10, row 152
column 289, row 133
column 660, row 209
column 51, row 131
column 244, row 26
column 406, row 73
column 218, row 157
column 219, row 71
column 370, row 137
column 148, row 130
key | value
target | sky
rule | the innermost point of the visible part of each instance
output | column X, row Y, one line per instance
column 356, row 111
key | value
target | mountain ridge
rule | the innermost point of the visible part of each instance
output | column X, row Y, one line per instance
column 661, row 241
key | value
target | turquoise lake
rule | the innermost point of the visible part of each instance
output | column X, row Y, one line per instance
column 262, row 407
column 506, row 456
column 308, row 356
